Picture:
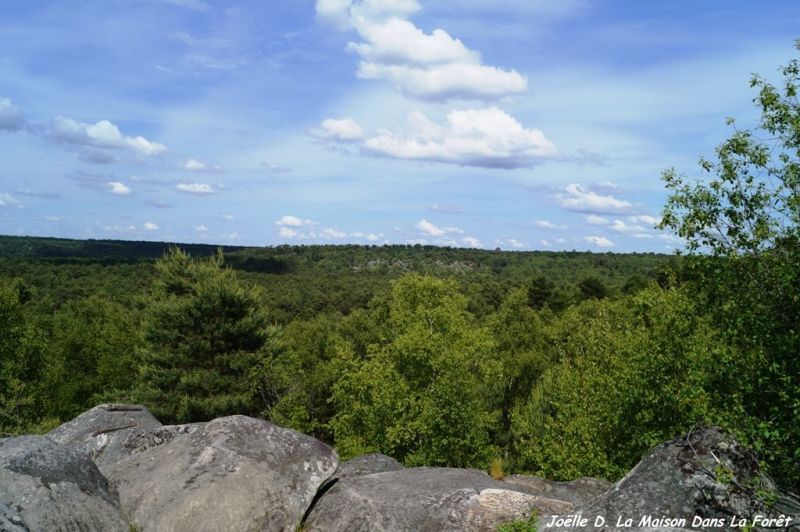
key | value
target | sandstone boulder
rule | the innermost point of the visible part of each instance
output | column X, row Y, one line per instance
column 103, row 430
column 367, row 465
column 578, row 492
column 44, row 486
column 233, row 473
column 424, row 499
column 706, row 473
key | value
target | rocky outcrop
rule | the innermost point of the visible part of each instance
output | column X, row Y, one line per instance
column 578, row 492
column 46, row 486
column 367, row 465
column 424, row 499
column 233, row 473
column 705, row 480
column 116, row 467
column 103, row 430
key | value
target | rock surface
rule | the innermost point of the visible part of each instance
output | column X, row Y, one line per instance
column 578, row 492
column 424, row 499
column 367, row 465
column 707, row 474
column 103, row 430
column 45, row 486
column 233, row 473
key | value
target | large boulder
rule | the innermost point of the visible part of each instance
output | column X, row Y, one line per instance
column 698, row 481
column 233, row 473
column 367, row 465
column 103, row 430
column 579, row 492
column 424, row 499
column 44, row 486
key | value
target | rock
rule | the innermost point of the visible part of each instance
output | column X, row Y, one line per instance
column 233, row 473
column 366, row 465
column 103, row 430
column 705, row 475
column 424, row 499
column 579, row 492
column 44, row 486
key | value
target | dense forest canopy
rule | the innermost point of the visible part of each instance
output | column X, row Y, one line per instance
column 560, row 364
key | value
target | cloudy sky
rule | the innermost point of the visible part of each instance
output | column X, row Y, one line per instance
column 520, row 124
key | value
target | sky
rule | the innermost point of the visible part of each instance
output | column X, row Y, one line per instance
column 516, row 124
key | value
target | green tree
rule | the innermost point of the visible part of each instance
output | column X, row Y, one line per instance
column 592, row 287
column 742, row 228
column 205, row 334
column 91, row 355
column 422, row 396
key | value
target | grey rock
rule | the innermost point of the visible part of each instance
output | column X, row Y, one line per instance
column 44, row 486
column 366, row 465
column 579, row 491
column 706, row 473
column 233, row 473
column 424, row 499
column 103, row 430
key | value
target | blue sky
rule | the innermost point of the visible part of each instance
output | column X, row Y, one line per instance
column 522, row 124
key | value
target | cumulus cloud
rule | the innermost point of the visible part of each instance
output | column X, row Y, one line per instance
column 593, row 219
column 226, row 216
column 599, row 241
column 11, row 118
column 428, row 228
column 333, row 233
column 431, row 66
column 102, row 135
column 7, row 200
column 193, row 165
column 441, row 82
column 293, row 221
column 288, row 233
column 338, row 130
column 201, row 228
column 453, row 209
column 472, row 242
column 652, row 221
column 195, row 188
column 371, row 237
column 514, row 243
column 487, row 138
column 547, row 224
column 578, row 198
column 119, row 189
column 150, row 226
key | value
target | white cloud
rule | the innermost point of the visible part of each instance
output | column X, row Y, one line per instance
column 429, row 229
column 7, row 200
column 333, row 233
column 150, row 226
column 52, row 218
column 599, row 241
column 226, row 216
column 593, row 219
column 338, row 130
column 119, row 189
column 103, row 135
column 652, row 221
column 442, row 82
column 487, row 138
column 398, row 41
column 447, row 208
column 578, row 198
column 547, row 224
column 11, row 118
column 434, row 66
column 231, row 236
column 193, row 165
column 372, row 237
column 288, row 233
column 293, row 221
column 621, row 227
column 546, row 243
column 195, row 188
column 514, row 243
column 472, row 242
column 201, row 228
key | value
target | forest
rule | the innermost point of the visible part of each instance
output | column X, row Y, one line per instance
column 560, row 364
